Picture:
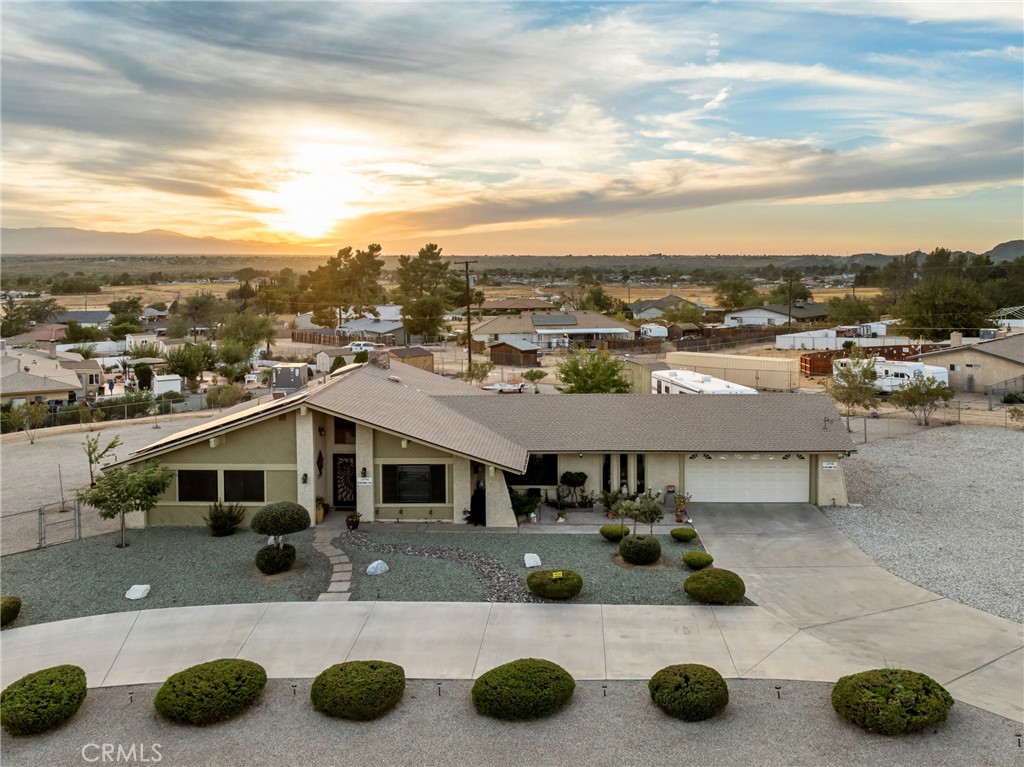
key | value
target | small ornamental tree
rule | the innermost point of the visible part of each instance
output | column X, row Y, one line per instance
column 478, row 371
column 278, row 520
column 921, row 396
column 853, row 385
column 94, row 453
column 534, row 376
column 584, row 372
column 126, row 489
column 28, row 417
column 644, row 510
column 1016, row 414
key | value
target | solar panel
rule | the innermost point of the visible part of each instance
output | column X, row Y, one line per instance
column 542, row 320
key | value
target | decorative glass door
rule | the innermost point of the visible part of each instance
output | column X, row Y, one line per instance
column 345, row 481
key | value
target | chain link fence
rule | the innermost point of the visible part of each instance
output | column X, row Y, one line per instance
column 51, row 524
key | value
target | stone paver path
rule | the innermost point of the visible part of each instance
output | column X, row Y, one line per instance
column 341, row 566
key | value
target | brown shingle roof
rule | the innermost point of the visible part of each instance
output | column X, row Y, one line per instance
column 1009, row 348
column 662, row 423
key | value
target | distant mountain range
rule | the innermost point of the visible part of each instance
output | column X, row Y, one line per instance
column 67, row 241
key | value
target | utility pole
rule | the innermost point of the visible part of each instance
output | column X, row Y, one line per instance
column 790, row 320
column 469, row 319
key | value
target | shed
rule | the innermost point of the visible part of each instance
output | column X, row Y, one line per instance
column 416, row 356
column 515, row 353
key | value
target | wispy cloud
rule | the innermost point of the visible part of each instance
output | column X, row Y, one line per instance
column 376, row 120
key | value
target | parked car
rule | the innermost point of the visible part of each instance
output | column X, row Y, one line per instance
column 363, row 346
column 505, row 388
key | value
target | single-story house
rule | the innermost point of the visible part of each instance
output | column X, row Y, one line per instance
column 415, row 356
column 50, row 362
column 514, row 305
column 654, row 308
column 979, row 365
column 91, row 318
column 40, row 334
column 37, row 380
column 777, row 314
column 517, row 353
column 550, row 329
column 397, row 443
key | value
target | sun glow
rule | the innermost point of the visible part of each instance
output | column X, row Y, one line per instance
column 317, row 190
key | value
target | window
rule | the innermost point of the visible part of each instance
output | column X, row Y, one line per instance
column 641, row 473
column 344, row 432
column 414, row 483
column 196, row 485
column 975, row 365
column 954, row 368
column 243, row 486
column 542, row 469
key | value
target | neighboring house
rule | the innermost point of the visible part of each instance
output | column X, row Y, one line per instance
column 515, row 353
column 98, row 318
column 137, row 339
column 652, row 309
column 550, row 329
column 89, row 372
column 514, row 305
column 151, row 316
column 37, row 380
column 387, row 332
column 416, row 356
column 982, row 364
column 397, row 443
column 325, row 357
column 40, row 334
column 776, row 314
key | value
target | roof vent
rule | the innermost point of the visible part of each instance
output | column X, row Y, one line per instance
column 396, row 379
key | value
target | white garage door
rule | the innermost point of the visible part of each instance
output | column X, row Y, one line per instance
column 775, row 479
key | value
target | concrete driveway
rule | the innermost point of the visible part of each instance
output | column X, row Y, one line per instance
column 800, row 568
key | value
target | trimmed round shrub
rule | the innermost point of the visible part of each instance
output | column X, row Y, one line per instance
column 614, row 533
column 640, row 549
column 689, row 691
column 10, row 606
column 272, row 560
column 544, row 584
column 527, row 688
column 891, row 701
column 42, row 700
column 281, row 518
column 697, row 560
column 714, row 586
column 683, row 534
column 210, row 692
column 361, row 690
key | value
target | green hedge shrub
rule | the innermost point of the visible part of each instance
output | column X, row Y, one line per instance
column 640, row 549
column 272, row 560
column 210, row 692
column 714, row 586
column 697, row 560
column 543, row 584
column 689, row 691
column 891, row 701
column 361, row 690
column 224, row 518
column 281, row 518
column 10, row 606
column 527, row 688
column 42, row 700
column 614, row 532
column 683, row 534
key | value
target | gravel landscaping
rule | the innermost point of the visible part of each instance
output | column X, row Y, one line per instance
column 943, row 509
column 422, row 565
column 183, row 565
column 613, row 723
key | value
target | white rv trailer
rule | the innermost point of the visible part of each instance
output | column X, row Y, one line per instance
column 653, row 330
column 891, row 375
column 689, row 382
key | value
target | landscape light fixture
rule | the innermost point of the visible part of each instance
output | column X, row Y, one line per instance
column 305, row 479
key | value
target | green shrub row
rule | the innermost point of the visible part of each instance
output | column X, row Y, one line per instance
column 42, row 700
column 272, row 560
column 527, row 688
column 683, row 534
column 614, row 532
column 697, row 560
column 640, row 549
column 211, row 692
column 10, row 606
column 891, row 701
column 689, row 691
column 555, row 584
column 714, row 586
column 359, row 690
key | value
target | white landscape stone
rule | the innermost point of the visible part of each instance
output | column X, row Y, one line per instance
column 136, row 592
column 531, row 560
column 377, row 567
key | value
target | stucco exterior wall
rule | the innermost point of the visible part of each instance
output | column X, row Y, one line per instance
column 388, row 449
column 279, row 485
column 992, row 369
column 663, row 470
column 829, row 485
column 271, row 441
column 499, row 505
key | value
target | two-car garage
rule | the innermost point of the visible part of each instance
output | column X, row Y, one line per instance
column 748, row 477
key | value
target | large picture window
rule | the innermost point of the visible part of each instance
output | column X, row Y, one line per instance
column 197, row 485
column 414, row 483
column 243, row 486
column 542, row 469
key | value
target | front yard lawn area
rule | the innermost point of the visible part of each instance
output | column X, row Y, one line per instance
column 184, row 566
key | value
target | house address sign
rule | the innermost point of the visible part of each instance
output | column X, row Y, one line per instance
column 364, row 480
column 830, row 464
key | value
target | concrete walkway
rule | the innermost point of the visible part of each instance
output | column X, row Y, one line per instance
column 825, row 610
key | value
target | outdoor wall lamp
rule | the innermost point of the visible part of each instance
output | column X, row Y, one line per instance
column 363, row 472
column 321, row 430
column 305, row 479
column 581, row 454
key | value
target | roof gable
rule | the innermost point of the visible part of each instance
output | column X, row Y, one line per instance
column 1009, row 348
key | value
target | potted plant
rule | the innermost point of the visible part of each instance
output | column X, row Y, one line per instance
column 681, row 500
column 561, row 515
column 352, row 520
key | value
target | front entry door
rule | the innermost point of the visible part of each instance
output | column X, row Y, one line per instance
column 344, row 481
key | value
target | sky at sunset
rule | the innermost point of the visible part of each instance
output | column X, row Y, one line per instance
column 718, row 127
